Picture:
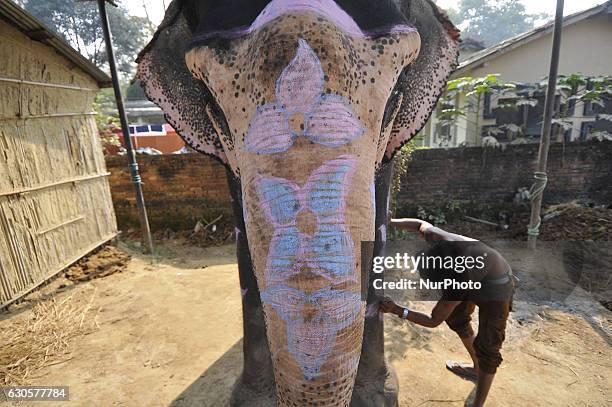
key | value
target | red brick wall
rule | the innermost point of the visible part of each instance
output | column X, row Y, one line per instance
column 179, row 190
column 492, row 176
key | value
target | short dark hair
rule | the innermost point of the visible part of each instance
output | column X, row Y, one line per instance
column 437, row 272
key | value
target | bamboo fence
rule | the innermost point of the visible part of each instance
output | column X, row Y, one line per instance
column 55, row 203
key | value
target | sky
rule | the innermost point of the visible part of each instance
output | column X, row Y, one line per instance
column 155, row 8
column 542, row 6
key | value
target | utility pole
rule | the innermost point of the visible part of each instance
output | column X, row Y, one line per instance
column 540, row 176
column 133, row 165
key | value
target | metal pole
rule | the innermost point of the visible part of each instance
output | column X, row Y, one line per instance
column 133, row 165
column 540, row 173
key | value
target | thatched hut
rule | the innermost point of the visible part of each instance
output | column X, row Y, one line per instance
column 55, row 203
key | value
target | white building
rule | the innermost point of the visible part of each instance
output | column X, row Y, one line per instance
column 586, row 49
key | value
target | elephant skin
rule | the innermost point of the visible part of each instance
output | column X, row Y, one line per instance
column 305, row 102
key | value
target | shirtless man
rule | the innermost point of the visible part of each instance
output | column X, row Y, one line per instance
column 494, row 302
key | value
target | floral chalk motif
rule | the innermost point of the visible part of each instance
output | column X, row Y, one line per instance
column 328, row 250
column 311, row 340
column 325, row 250
column 302, row 109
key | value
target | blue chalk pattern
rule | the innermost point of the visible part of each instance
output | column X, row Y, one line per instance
column 313, row 321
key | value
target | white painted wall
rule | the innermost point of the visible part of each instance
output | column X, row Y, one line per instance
column 586, row 48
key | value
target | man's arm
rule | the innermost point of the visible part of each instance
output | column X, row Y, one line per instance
column 411, row 225
column 429, row 231
column 439, row 314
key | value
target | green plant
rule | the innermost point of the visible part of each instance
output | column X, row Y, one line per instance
column 400, row 167
column 455, row 207
column 106, row 109
column 433, row 215
column 79, row 23
column 570, row 89
column 463, row 99
column 492, row 21
column 466, row 95
column 106, row 118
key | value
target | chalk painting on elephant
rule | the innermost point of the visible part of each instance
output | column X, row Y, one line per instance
column 311, row 281
column 304, row 101
column 306, row 152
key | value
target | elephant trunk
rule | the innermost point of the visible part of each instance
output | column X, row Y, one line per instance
column 304, row 240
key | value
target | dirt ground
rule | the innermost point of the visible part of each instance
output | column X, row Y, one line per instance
column 168, row 332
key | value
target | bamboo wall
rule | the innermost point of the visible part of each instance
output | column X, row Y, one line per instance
column 55, row 204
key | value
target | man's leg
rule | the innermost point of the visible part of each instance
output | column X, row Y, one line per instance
column 460, row 322
column 487, row 345
column 468, row 342
column 485, row 380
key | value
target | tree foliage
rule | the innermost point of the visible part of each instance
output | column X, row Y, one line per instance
column 79, row 24
column 578, row 88
column 474, row 91
column 492, row 21
column 570, row 89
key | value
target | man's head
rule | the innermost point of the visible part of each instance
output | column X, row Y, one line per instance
column 435, row 265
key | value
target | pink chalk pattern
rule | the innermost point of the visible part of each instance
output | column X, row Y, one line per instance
column 326, row 119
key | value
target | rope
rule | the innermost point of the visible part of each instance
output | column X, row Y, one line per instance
column 536, row 191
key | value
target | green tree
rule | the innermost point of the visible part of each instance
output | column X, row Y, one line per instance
column 571, row 89
column 473, row 91
column 594, row 90
column 492, row 21
column 79, row 24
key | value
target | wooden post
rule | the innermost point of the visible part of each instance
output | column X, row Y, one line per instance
column 537, row 190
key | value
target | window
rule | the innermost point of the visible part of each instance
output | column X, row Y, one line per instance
column 148, row 130
column 571, row 108
column 590, row 109
column 508, row 113
column 593, row 109
column 444, row 127
column 586, row 129
column 487, row 110
column 443, row 130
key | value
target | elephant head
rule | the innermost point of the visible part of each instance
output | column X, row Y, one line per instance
column 303, row 100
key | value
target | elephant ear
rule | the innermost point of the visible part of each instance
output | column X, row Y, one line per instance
column 186, row 102
column 422, row 82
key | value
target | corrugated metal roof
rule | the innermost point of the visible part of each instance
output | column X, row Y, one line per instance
column 37, row 31
column 480, row 57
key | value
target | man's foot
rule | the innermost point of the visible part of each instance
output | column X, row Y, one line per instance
column 463, row 370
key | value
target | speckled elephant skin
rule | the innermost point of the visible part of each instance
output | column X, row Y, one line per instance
column 305, row 102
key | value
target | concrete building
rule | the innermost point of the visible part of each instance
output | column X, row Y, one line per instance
column 148, row 126
column 524, row 59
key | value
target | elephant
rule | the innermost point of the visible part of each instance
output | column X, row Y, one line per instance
column 305, row 102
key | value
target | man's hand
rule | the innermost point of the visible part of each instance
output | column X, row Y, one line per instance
column 412, row 225
column 389, row 307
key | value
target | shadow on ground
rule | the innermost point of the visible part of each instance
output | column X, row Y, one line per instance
column 213, row 388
